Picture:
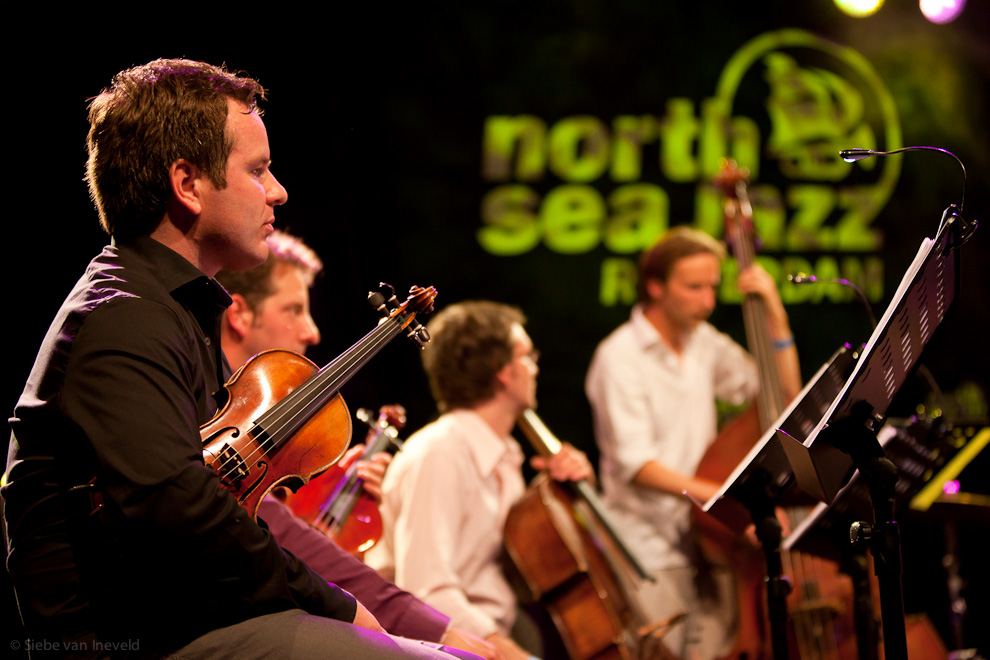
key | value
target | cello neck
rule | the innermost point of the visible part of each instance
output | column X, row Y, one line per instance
column 543, row 441
column 547, row 444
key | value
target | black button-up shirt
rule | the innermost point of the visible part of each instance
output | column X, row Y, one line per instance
column 121, row 385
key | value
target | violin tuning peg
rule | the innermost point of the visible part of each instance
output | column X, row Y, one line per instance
column 392, row 300
column 377, row 301
column 418, row 334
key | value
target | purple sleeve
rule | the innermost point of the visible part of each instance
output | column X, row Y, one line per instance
column 399, row 612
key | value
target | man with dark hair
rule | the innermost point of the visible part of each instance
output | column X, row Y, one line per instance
column 269, row 310
column 652, row 384
column 447, row 493
column 121, row 541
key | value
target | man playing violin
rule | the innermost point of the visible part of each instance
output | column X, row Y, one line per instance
column 448, row 492
column 270, row 309
column 121, row 541
column 652, row 385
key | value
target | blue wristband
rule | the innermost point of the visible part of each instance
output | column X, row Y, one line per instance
column 781, row 344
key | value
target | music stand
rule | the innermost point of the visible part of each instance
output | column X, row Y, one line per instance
column 844, row 437
column 765, row 478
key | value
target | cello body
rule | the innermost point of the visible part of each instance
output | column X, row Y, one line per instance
column 569, row 559
column 564, row 570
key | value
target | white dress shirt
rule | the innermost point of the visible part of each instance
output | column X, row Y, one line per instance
column 651, row 404
column 445, row 499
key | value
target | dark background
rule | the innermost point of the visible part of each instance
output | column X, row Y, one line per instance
column 375, row 119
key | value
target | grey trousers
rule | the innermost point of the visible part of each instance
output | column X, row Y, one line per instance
column 708, row 629
column 295, row 635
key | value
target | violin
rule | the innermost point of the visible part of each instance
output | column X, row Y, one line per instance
column 284, row 421
column 335, row 502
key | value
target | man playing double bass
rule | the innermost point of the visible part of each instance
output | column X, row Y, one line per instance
column 652, row 385
column 122, row 542
column 448, row 492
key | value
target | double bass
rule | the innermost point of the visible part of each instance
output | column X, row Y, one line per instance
column 563, row 546
column 284, row 420
column 820, row 607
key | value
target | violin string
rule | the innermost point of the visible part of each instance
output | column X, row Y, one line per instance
column 303, row 397
column 294, row 404
column 337, row 507
column 337, row 372
column 339, row 502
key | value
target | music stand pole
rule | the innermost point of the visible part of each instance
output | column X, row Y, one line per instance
column 853, row 436
column 768, row 530
column 854, row 565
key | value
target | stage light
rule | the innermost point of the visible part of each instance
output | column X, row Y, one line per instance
column 942, row 11
column 859, row 8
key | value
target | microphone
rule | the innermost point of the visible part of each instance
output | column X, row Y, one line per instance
column 804, row 278
column 968, row 228
column 858, row 153
column 801, row 278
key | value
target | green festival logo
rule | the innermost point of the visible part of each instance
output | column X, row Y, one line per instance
column 784, row 105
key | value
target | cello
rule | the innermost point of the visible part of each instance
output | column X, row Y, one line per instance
column 284, row 421
column 561, row 543
column 334, row 502
column 820, row 608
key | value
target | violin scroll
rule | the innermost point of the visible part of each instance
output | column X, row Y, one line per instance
column 420, row 301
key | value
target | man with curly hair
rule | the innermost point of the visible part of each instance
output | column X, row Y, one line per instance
column 448, row 492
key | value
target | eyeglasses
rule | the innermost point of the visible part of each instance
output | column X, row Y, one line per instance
column 532, row 356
